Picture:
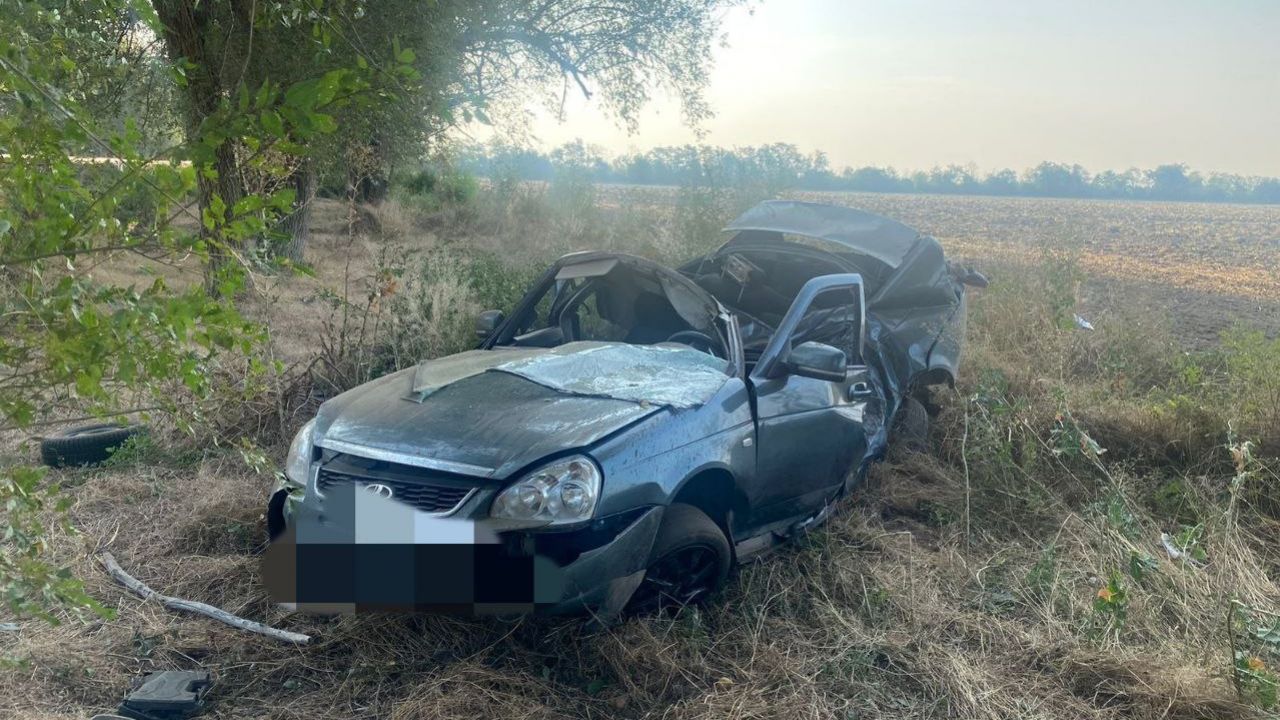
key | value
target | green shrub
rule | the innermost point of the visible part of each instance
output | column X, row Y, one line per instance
column 414, row 309
column 1252, row 364
column 29, row 583
column 436, row 188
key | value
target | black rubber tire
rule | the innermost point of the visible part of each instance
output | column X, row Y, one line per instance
column 275, row 514
column 911, row 426
column 685, row 526
column 85, row 445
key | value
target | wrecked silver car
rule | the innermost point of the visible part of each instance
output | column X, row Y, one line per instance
column 630, row 431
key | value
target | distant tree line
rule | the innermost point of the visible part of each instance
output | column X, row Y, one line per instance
column 783, row 166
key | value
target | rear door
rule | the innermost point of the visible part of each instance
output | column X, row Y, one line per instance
column 810, row 431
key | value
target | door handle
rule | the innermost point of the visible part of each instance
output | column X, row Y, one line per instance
column 859, row 389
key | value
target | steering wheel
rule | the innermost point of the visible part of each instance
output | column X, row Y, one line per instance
column 695, row 340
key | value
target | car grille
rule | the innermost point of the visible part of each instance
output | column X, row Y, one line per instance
column 424, row 490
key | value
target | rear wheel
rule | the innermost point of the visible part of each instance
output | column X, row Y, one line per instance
column 690, row 560
column 911, row 426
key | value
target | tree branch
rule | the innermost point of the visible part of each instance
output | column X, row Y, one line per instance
column 140, row 589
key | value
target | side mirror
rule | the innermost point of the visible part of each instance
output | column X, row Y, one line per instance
column 487, row 322
column 818, row 361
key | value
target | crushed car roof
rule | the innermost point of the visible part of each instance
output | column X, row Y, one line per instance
column 693, row 303
column 866, row 233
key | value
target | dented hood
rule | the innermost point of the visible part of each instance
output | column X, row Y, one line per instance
column 489, row 413
column 487, row 425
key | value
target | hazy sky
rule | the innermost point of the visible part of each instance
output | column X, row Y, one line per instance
column 995, row 83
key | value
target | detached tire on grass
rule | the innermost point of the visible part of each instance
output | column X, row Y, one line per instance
column 85, row 445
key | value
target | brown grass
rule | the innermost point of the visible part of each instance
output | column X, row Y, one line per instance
column 960, row 583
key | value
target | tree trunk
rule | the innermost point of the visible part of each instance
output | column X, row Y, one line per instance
column 187, row 28
column 298, row 222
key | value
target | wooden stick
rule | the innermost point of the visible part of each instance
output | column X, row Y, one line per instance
column 139, row 588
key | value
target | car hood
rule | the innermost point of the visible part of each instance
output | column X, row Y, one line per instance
column 488, row 424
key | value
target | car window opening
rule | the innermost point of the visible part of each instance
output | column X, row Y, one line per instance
column 607, row 300
column 758, row 277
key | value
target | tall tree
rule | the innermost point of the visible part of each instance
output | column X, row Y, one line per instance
column 191, row 35
column 471, row 57
column 618, row 52
column 70, row 343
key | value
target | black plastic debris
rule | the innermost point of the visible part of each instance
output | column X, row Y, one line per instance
column 168, row 695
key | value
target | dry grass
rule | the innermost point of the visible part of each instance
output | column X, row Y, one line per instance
column 961, row 583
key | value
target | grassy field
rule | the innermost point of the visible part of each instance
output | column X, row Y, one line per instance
column 1021, row 568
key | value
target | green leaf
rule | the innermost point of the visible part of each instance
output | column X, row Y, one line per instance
column 263, row 96
column 1140, row 564
column 324, row 123
column 272, row 123
column 303, row 95
column 86, row 386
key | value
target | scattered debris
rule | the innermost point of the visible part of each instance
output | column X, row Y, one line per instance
column 10, row 627
column 1083, row 324
column 1175, row 552
column 168, row 695
column 139, row 588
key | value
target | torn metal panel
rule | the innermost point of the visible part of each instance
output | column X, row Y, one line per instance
column 588, row 268
column 868, row 234
column 916, row 318
column 691, row 302
column 678, row 377
column 914, row 303
column 923, row 280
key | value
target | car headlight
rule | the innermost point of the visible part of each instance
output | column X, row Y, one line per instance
column 564, row 491
column 297, row 466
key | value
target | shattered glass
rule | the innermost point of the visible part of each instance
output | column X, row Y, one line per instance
column 679, row 377
column 667, row 375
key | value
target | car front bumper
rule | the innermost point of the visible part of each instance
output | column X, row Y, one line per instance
column 396, row 559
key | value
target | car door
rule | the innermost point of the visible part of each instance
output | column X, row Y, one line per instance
column 810, row 429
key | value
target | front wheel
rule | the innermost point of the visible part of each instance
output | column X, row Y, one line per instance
column 690, row 560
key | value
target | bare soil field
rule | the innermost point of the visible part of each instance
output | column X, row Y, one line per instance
column 1202, row 266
